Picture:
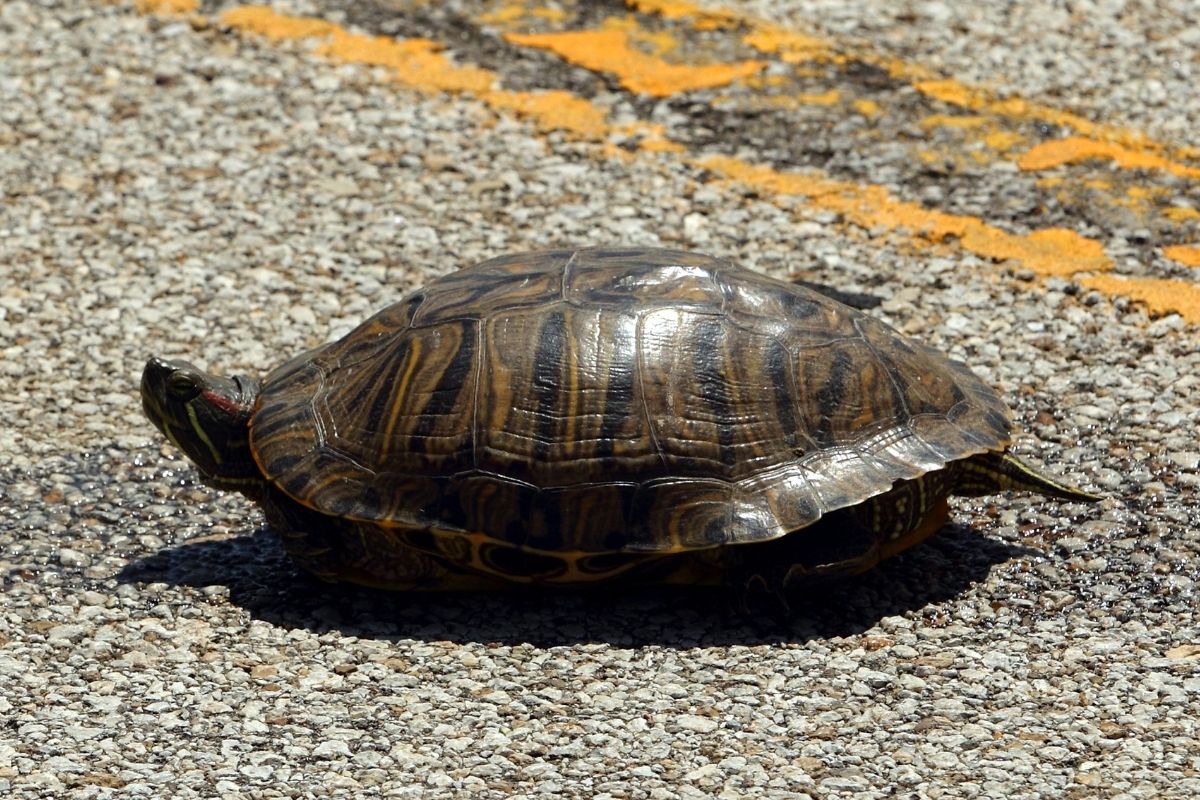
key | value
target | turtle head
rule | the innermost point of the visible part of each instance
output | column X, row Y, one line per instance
column 205, row 416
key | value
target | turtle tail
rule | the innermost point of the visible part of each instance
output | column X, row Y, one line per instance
column 988, row 473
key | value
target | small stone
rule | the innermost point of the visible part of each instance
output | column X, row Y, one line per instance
column 839, row 783
column 303, row 315
column 1072, row 544
column 331, row 748
column 66, row 632
column 706, row 771
column 691, row 722
column 695, row 227
column 62, row 764
column 72, row 558
column 81, row 733
column 1184, row 652
column 338, row 187
column 71, row 181
column 1186, row 459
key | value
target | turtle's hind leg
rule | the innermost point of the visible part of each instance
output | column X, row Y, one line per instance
column 768, row 578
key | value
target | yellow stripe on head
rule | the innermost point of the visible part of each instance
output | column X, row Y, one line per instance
column 201, row 435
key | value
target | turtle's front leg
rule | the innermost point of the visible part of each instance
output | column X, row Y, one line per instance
column 338, row 550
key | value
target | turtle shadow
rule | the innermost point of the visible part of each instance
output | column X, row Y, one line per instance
column 262, row 581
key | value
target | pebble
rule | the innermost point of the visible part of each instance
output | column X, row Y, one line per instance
column 691, row 722
column 1187, row 459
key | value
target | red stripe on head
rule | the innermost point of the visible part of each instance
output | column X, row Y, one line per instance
column 223, row 402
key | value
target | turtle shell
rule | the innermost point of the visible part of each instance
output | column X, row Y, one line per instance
column 614, row 401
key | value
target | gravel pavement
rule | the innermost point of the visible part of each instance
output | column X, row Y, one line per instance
column 172, row 182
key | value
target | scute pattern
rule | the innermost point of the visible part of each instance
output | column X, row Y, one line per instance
column 614, row 400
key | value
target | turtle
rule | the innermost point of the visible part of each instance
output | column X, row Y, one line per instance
column 577, row 416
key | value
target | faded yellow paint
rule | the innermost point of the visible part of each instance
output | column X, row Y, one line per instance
column 651, row 137
column 829, row 98
column 549, row 13
column 1182, row 214
column 947, row 90
column 832, row 97
column 554, row 110
column 505, row 14
column 608, row 50
column 264, row 21
column 1139, row 198
column 973, row 98
column 1053, row 251
column 868, row 108
column 511, row 12
column 167, row 6
column 980, row 134
column 768, row 38
column 616, row 152
column 1128, row 149
column 414, row 62
column 418, row 64
column 795, row 47
column 1188, row 255
column 1074, row 149
column 1003, row 140
column 792, row 48
column 952, row 121
column 657, row 42
column 703, row 19
column 765, row 81
column 1159, row 295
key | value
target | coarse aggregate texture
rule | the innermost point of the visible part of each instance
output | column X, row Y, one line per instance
column 1121, row 61
column 170, row 188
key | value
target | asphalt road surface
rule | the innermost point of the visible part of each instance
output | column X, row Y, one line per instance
column 1018, row 185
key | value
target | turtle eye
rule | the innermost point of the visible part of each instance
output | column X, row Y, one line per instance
column 182, row 385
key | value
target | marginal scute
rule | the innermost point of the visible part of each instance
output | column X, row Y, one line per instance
column 613, row 400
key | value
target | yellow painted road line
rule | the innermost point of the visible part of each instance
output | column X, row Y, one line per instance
column 1184, row 254
column 166, row 6
column 1052, row 251
column 791, row 46
column 1158, row 294
column 419, row 64
column 984, row 135
column 977, row 100
column 609, row 50
column 1075, row 149
column 1181, row 214
column 1047, row 252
